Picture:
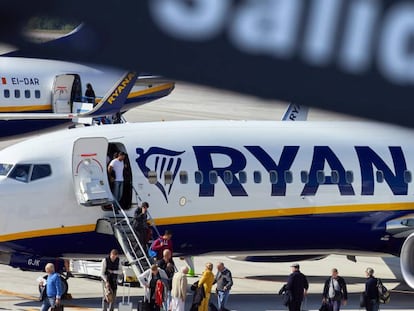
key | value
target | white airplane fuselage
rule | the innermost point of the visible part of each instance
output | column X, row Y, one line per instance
column 248, row 187
column 30, row 85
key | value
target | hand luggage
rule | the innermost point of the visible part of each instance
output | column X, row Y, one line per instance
column 143, row 305
column 125, row 305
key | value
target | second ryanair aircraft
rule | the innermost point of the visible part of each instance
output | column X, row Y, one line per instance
column 235, row 187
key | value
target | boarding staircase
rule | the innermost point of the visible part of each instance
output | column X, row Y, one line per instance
column 135, row 253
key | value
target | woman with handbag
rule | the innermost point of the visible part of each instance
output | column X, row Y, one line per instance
column 334, row 291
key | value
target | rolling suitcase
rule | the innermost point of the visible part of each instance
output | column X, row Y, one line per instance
column 125, row 305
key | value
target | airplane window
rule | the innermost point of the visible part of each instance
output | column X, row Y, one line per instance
column 40, row 171
column 17, row 93
column 27, row 93
column 349, row 176
column 304, row 177
column 288, row 177
column 21, row 172
column 228, row 177
column 198, row 176
column 380, row 176
column 407, row 177
column 5, row 168
column 168, row 178
column 273, row 177
column 242, row 177
column 37, row 93
column 335, row 177
column 6, row 93
column 152, row 177
column 212, row 176
column 320, row 177
column 183, row 177
column 257, row 177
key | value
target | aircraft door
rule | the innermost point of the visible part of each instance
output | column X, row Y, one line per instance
column 66, row 89
column 89, row 171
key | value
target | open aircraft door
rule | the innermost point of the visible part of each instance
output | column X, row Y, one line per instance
column 89, row 170
column 66, row 89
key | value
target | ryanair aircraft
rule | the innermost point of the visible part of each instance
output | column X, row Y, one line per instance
column 37, row 94
column 252, row 187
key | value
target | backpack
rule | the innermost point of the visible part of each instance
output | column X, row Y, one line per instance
column 384, row 294
column 151, row 252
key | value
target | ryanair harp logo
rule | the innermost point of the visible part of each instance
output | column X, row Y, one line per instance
column 160, row 161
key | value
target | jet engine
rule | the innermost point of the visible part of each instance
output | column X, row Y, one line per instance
column 407, row 260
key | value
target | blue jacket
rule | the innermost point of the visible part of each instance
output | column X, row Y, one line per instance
column 54, row 286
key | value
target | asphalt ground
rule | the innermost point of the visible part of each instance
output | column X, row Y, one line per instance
column 255, row 284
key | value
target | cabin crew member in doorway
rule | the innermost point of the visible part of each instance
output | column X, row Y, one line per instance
column 117, row 165
column 90, row 94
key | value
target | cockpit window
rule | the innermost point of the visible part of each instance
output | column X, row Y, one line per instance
column 40, row 171
column 5, row 169
column 21, row 172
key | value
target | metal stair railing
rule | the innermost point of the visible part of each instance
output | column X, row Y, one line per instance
column 135, row 253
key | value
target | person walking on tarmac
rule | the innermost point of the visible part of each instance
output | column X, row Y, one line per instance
column 53, row 288
column 111, row 268
column 224, row 283
column 334, row 291
column 206, row 280
column 371, row 291
column 298, row 286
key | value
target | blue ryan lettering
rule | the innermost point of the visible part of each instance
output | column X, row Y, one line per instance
column 323, row 159
column 322, row 155
column 285, row 162
column 205, row 165
column 368, row 159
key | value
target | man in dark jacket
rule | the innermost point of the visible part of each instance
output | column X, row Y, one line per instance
column 140, row 224
column 224, row 282
column 297, row 285
column 371, row 291
column 334, row 291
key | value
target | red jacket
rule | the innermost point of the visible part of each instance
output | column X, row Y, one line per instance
column 168, row 244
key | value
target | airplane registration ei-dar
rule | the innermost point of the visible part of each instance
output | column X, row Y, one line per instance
column 261, row 188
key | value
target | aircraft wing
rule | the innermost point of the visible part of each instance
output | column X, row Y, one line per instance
column 110, row 104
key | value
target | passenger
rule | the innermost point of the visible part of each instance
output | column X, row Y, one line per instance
column 371, row 291
column 149, row 279
column 117, row 165
column 206, row 280
column 140, row 224
column 224, row 282
column 163, row 242
column 90, row 94
column 110, row 270
column 166, row 263
column 53, row 288
column 179, row 290
column 297, row 285
column 334, row 291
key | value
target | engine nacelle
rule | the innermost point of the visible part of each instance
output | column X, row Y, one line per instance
column 407, row 260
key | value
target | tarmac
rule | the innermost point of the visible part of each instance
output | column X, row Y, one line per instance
column 255, row 284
